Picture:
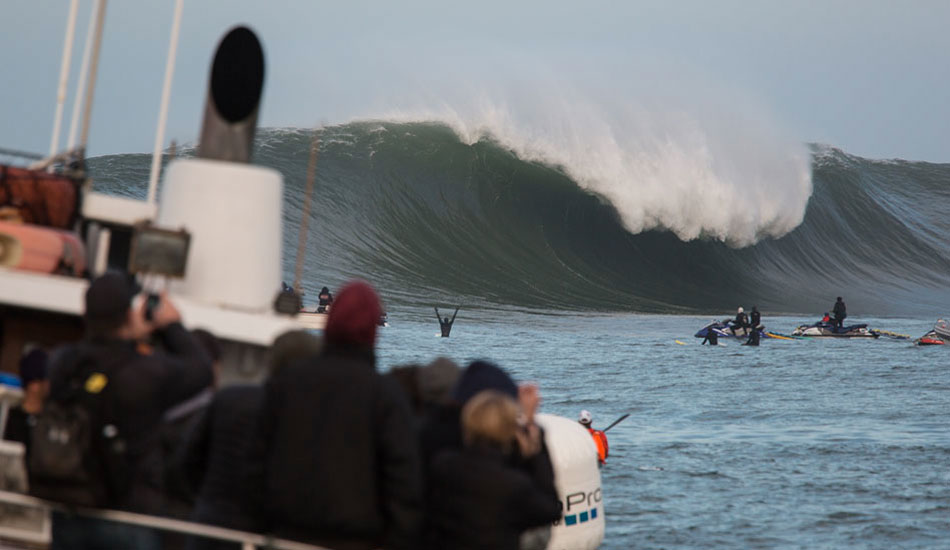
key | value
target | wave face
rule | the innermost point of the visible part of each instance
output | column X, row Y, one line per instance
column 436, row 213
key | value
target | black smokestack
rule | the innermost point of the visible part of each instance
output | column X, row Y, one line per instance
column 234, row 96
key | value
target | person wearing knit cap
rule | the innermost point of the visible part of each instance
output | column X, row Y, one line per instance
column 334, row 459
column 142, row 384
column 213, row 456
column 436, row 380
column 441, row 431
column 354, row 317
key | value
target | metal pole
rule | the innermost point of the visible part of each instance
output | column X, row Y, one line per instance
column 83, row 73
column 305, row 219
column 91, row 85
column 64, row 75
column 163, row 110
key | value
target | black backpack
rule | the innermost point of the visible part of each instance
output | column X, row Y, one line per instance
column 77, row 455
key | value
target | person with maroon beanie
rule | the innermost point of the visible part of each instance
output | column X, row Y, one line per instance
column 335, row 461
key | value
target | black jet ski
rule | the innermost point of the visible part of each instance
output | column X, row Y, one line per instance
column 724, row 329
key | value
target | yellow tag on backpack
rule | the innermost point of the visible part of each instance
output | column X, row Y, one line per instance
column 96, row 382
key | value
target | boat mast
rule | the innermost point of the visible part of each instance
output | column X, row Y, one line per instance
column 93, row 41
column 163, row 110
column 64, row 75
column 305, row 219
column 91, row 85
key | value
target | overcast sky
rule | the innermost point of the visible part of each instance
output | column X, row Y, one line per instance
column 870, row 76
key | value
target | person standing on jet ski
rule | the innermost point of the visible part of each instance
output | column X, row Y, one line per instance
column 841, row 312
column 326, row 299
column 755, row 318
column 754, row 324
column 741, row 321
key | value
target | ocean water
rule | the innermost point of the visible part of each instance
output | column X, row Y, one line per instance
column 578, row 264
column 794, row 444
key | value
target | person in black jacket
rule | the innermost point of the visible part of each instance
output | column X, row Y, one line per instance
column 441, row 431
column 841, row 312
column 334, row 458
column 741, row 321
column 326, row 300
column 755, row 318
column 477, row 499
column 145, row 382
column 213, row 456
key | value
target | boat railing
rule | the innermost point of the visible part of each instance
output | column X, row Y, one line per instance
column 42, row 534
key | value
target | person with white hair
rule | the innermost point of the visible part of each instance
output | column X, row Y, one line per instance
column 741, row 321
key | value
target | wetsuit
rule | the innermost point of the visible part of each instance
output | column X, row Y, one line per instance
column 741, row 322
column 446, row 324
column 756, row 318
column 711, row 337
column 326, row 300
column 753, row 338
column 840, row 311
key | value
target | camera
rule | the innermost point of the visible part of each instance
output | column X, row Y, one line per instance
column 151, row 304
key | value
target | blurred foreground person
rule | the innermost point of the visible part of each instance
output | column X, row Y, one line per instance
column 215, row 453
column 125, row 387
column 442, row 432
column 477, row 499
column 334, row 457
column 35, row 390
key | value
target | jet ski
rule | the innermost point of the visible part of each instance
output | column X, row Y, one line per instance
column 723, row 329
column 938, row 336
column 827, row 329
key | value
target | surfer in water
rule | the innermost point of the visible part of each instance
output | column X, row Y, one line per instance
column 840, row 311
column 711, row 337
column 446, row 323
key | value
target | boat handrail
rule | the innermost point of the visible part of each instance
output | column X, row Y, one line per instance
column 248, row 541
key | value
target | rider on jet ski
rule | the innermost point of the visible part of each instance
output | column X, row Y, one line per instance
column 741, row 321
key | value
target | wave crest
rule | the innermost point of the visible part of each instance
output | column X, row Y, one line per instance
column 703, row 172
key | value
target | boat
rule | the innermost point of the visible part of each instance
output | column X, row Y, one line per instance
column 826, row 329
column 222, row 273
column 938, row 336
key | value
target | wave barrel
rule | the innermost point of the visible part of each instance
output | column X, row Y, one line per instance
column 234, row 95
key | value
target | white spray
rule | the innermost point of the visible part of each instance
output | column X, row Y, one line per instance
column 714, row 167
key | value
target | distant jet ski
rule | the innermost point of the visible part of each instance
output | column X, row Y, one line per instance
column 938, row 336
column 724, row 330
column 827, row 329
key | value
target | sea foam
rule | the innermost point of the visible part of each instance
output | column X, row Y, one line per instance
column 699, row 169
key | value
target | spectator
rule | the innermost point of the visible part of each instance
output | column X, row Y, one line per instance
column 442, row 432
column 477, row 499
column 215, row 451
column 35, row 389
column 139, row 385
column 334, row 458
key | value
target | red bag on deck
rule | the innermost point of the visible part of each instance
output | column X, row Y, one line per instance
column 39, row 197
